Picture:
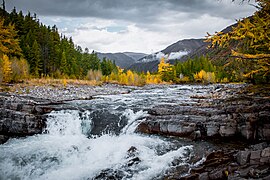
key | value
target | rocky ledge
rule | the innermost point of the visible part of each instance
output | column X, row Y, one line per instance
column 226, row 114
column 22, row 113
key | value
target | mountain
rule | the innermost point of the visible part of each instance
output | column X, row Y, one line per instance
column 213, row 53
column 172, row 52
column 188, row 45
column 120, row 59
column 135, row 56
column 123, row 60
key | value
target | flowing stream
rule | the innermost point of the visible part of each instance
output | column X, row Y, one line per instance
column 98, row 141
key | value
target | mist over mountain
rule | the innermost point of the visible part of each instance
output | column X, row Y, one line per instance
column 180, row 50
column 172, row 52
column 123, row 60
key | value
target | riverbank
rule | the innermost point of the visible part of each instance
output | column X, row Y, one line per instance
column 60, row 90
column 226, row 113
column 214, row 113
column 23, row 108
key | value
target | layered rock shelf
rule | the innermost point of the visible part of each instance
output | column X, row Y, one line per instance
column 223, row 113
column 23, row 112
column 226, row 113
column 22, row 116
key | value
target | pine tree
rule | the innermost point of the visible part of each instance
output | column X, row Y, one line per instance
column 63, row 67
column 35, row 59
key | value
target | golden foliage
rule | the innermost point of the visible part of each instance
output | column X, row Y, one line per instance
column 6, row 69
column 252, row 39
column 152, row 79
column 20, row 69
column 95, row 75
column 9, row 44
column 203, row 76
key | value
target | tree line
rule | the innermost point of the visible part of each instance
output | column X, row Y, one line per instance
column 29, row 48
column 42, row 51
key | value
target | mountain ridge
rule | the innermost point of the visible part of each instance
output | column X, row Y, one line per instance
column 182, row 47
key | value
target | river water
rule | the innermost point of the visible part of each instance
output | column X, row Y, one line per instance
column 98, row 141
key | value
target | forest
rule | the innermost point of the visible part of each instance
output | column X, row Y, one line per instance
column 30, row 49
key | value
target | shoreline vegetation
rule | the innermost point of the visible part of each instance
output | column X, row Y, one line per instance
column 30, row 50
column 33, row 54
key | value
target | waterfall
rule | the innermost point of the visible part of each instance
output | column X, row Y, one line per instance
column 66, row 151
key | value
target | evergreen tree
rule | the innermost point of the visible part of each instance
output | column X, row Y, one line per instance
column 63, row 66
column 35, row 65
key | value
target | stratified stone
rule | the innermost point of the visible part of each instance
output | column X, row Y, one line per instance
column 227, row 130
column 212, row 129
column 243, row 157
column 255, row 155
column 266, row 152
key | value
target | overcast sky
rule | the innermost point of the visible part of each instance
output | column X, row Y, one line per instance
column 134, row 25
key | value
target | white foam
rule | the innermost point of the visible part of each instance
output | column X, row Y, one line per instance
column 64, row 152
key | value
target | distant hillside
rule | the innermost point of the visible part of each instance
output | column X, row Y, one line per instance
column 188, row 45
column 135, row 56
column 123, row 60
column 213, row 53
column 174, row 51
column 120, row 59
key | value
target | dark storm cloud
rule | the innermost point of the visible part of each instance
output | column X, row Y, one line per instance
column 143, row 11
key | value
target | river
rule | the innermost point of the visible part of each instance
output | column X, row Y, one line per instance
column 99, row 140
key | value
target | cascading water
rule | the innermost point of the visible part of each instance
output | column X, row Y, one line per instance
column 74, row 146
column 64, row 152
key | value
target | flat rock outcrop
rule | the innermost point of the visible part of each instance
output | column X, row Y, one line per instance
column 223, row 113
column 24, row 116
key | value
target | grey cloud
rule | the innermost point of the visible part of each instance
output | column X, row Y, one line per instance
column 142, row 11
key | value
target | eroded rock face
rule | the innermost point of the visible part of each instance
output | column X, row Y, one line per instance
column 225, row 113
column 22, row 116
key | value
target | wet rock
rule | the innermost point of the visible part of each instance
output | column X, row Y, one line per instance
column 266, row 152
column 204, row 176
column 216, row 175
column 3, row 139
column 133, row 161
column 229, row 114
column 18, row 117
column 109, row 174
column 190, row 177
column 243, row 157
column 259, row 146
column 212, row 129
column 110, row 122
column 229, row 129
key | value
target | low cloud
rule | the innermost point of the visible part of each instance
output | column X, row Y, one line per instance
column 177, row 55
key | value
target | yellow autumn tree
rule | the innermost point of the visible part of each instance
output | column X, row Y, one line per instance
column 19, row 68
column 148, row 78
column 165, row 70
column 249, row 41
column 6, row 69
column 9, row 44
column 130, row 77
column 206, row 77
